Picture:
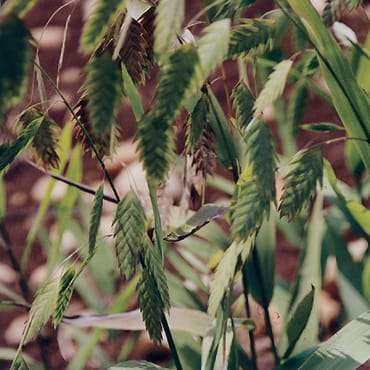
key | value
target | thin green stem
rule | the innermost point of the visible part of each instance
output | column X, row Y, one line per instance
column 248, row 312
column 265, row 305
column 82, row 127
column 171, row 342
column 157, row 218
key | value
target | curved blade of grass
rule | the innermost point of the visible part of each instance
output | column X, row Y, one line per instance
column 347, row 349
column 349, row 100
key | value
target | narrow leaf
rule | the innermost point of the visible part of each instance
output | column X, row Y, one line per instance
column 135, row 365
column 95, row 217
column 156, row 146
column 132, row 93
column 366, row 280
column 322, row 127
column 347, row 349
column 169, row 17
column 296, row 106
column 223, row 278
column 202, row 217
column 273, row 87
column 298, row 320
column 192, row 321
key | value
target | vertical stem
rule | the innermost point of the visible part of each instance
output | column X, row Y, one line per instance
column 171, row 342
column 248, row 311
column 265, row 305
column 157, row 218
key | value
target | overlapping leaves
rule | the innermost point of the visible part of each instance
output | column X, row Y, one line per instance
column 302, row 181
column 129, row 230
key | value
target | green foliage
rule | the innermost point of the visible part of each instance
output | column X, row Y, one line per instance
column 8, row 152
column 273, row 87
column 301, row 182
column 169, row 16
column 138, row 365
column 155, row 129
column 19, row 7
column 243, row 104
column 212, row 50
column 41, row 310
column 15, row 58
column 234, row 123
column 65, row 290
column 202, row 217
column 298, row 320
column 296, row 107
column 156, row 146
column 151, row 305
column 175, row 78
column 153, row 263
column 19, row 363
column 248, row 207
column 103, row 90
column 333, row 9
column 103, row 13
column 223, row 278
column 95, row 217
column 45, row 142
column 262, row 156
column 196, row 123
column 252, row 34
column 129, row 229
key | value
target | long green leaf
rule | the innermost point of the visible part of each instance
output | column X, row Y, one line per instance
column 349, row 100
column 298, row 321
column 347, row 349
